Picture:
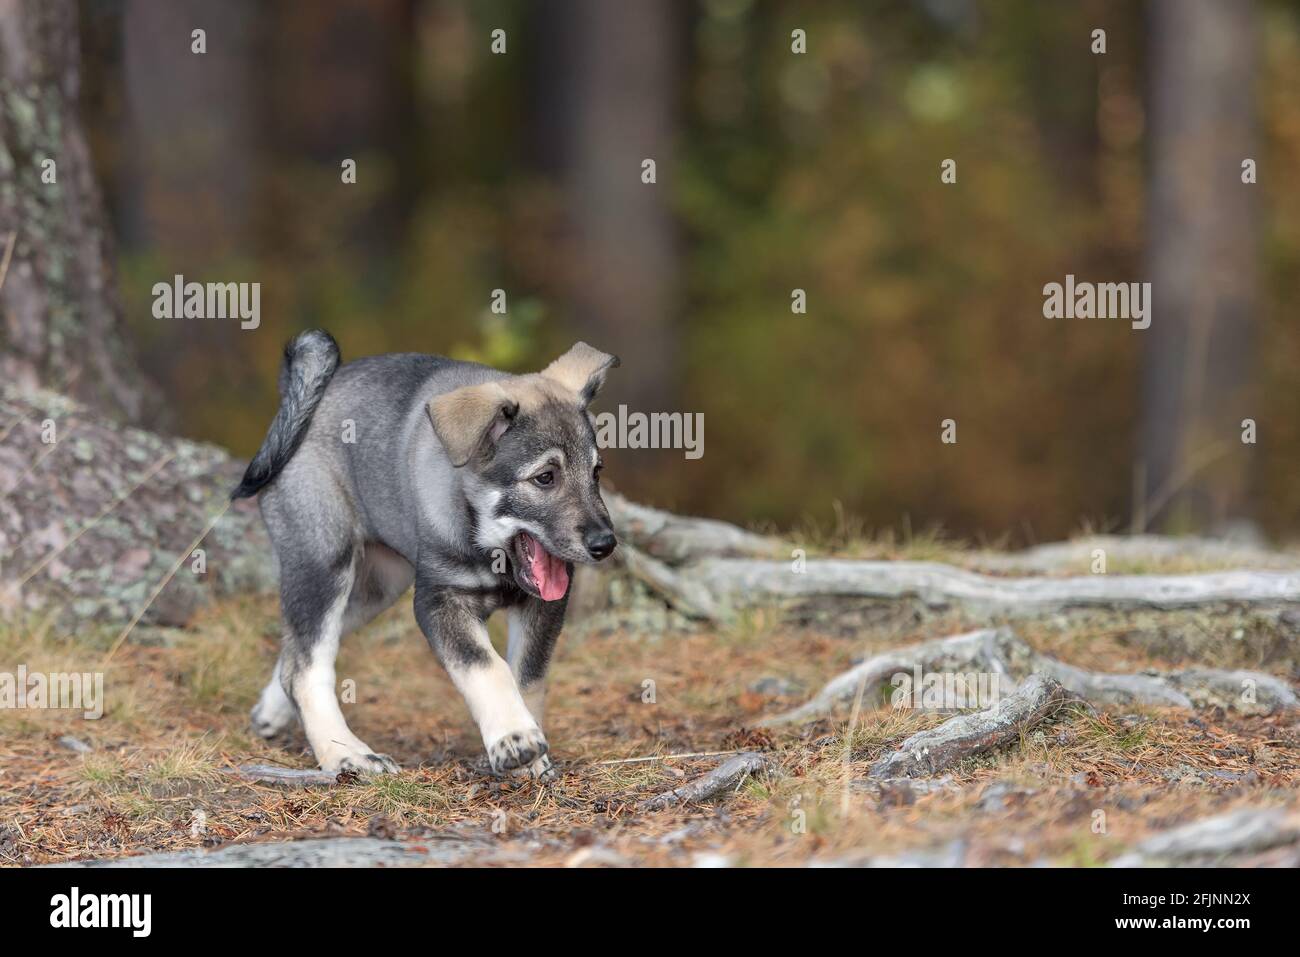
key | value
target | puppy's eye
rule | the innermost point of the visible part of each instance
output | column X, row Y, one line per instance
column 544, row 479
column 595, row 473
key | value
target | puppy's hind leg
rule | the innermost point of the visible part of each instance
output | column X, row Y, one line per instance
column 314, row 601
column 274, row 711
column 380, row 579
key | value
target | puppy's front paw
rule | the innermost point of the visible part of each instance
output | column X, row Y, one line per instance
column 540, row 770
column 362, row 762
column 517, row 749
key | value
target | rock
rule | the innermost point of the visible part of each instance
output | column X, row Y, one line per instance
column 94, row 522
column 952, row 854
column 997, row 796
column 1216, row 839
column 322, row 852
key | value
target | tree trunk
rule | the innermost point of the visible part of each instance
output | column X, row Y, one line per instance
column 359, row 60
column 1201, row 236
column 605, row 99
column 192, row 133
column 190, row 184
column 62, row 321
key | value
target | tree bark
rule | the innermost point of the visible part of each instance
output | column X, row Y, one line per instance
column 61, row 317
column 1193, row 466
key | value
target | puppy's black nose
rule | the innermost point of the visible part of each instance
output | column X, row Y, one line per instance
column 600, row 542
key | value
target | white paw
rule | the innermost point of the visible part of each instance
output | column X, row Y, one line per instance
column 540, row 770
column 271, row 715
column 359, row 759
column 517, row 749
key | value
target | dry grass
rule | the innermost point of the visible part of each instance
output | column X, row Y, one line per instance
column 176, row 721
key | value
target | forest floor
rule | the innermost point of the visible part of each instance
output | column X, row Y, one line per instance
column 154, row 773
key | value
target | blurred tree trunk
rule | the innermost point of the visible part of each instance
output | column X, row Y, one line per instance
column 342, row 87
column 62, row 320
column 190, row 177
column 193, row 139
column 1201, row 243
column 606, row 99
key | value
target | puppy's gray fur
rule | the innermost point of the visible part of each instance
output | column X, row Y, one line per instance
column 442, row 486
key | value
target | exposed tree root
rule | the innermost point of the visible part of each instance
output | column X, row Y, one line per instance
column 743, row 583
column 1036, row 699
column 972, row 651
column 1144, row 550
column 679, row 538
column 688, row 597
column 1000, row 651
column 725, row 777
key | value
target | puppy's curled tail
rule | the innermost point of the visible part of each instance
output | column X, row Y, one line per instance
column 310, row 359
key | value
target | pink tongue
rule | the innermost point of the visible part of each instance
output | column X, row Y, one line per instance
column 549, row 573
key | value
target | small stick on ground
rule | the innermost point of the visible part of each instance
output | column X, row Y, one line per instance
column 8, row 254
column 180, row 560
column 666, row 757
column 725, row 777
column 270, row 774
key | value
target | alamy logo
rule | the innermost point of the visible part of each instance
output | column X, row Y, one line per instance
column 134, row 911
column 656, row 430
column 73, row 690
column 1106, row 300
column 179, row 299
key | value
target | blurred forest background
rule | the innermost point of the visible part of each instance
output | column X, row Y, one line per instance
column 776, row 171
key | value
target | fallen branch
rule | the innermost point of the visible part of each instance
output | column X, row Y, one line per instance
column 725, row 777
column 968, row 735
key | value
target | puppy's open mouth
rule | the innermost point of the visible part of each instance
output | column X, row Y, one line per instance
column 538, row 571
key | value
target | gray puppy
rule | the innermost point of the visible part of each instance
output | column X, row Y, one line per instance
column 480, row 487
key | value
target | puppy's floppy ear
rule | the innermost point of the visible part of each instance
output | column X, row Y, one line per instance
column 581, row 370
column 470, row 417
